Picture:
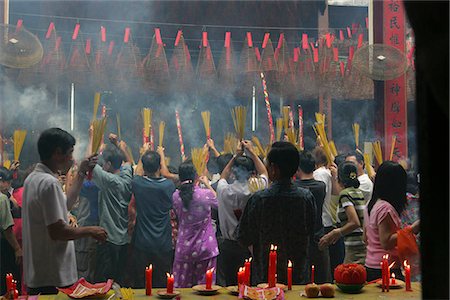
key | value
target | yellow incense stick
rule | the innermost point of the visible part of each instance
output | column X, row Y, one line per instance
column 255, row 184
column 376, row 146
column 230, row 143
column 147, row 120
column 162, row 125
column 355, row 127
column 19, row 139
column 368, row 165
column 394, row 139
column 279, row 128
column 292, row 136
column 98, row 132
column 239, row 114
column 206, row 117
column 258, row 145
column 333, row 148
column 199, row 160
column 320, row 118
column 96, row 105
column 286, row 110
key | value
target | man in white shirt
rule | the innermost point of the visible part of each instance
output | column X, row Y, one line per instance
column 49, row 252
column 232, row 201
column 365, row 184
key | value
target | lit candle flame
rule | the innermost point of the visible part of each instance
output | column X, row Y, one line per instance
column 250, row 259
column 289, row 264
column 150, row 266
column 211, row 270
column 275, row 248
column 271, row 247
column 312, row 267
column 393, row 275
column 241, row 269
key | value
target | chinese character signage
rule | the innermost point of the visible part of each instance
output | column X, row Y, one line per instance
column 395, row 109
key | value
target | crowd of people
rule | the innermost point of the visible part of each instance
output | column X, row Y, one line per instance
column 105, row 218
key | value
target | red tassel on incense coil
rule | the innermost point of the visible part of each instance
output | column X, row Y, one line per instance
column 98, row 58
column 341, row 66
column 18, row 27
column 275, row 55
column 49, row 30
column 75, row 56
column 158, row 36
column 349, row 33
column 335, row 54
column 360, row 40
column 305, row 41
column 280, row 40
column 126, row 37
column 103, row 33
column 187, row 53
column 227, row 39
column 258, row 55
column 328, row 39
column 316, row 54
column 57, row 43
column 88, row 46
column 296, row 50
column 266, row 40
column 367, row 22
column 351, row 51
column 341, row 35
column 332, row 38
column 75, row 31
column 110, row 48
column 205, row 39
column 249, row 39
column 177, row 39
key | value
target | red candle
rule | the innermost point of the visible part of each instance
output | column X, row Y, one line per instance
column 393, row 278
column 247, row 267
column 407, row 276
column 289, row 275
column 312, row 274
column 148, row 280
column 9, row 281
column 170, row 281
column 382, row 274
column 241, row 276
column 388, row 273
column 209, row 278
column 272, row 266
column 14, row 289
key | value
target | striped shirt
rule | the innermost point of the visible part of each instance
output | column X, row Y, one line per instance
column 352, row 197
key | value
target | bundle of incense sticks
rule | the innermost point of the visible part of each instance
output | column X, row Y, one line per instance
column 255, row 185
column 261, row 149
column 333, row 148
column 355, row 127
column 279, row 126
column 368, row 165
column 286, row 117
column 206, row 117
column 320, row 131
column 199, row 160
column 376, row 146
column 96, row 105
column 230, row 143
column 162, row 126
column 119, row 134
column 147, row 120
column 19, row 139
column 394, row 139
column 292, row 136
column 239, row 114
column 97, row 134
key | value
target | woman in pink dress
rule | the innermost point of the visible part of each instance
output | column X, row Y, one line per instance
column 196, row 249
column 382, row 219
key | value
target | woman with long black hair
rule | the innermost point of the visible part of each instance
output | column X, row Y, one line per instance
column 383, row 218
column 196, row 249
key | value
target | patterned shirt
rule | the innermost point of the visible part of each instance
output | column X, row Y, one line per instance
column 352, row 197
column 282, row 215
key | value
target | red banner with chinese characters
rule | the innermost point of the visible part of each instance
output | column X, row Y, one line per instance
column 395, row 109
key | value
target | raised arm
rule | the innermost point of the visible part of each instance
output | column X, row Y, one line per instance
column 210, row 143
column 259, row 165
column 76, row 182
column 164, row 170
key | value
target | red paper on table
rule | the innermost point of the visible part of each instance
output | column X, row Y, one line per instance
column 341, row 35
column 49, row 30
column 266, row 40
column 258, row 55
column 82, row 288
column 75, row 31
column 341, row 66
column 280, row 40
column 103, row 33
column 205, row 39
column 335, row 54
column 88, row 46
column 177, row 39
column 227, row 39
column 111, row 47
column 158, row 36
column 57, row 43
column 249, row 39
column 328, row 39
column 349, row 33
column 360, row 40
column 126, row 37
column 296, row 54
column 305, row 41
column 19, row 25
column 316, row 54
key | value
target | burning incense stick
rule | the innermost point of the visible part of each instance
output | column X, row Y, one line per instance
column 333, row 148
column 268, row 109
column 119, row 134
column 97, row 134
column 180, row 135
column 199, row 160
column 19, row 139
column 394, row 140
column 96, row 105
column 368, row 165
column 355, row 127
column 206, row 117
column 239, row 113
column 279, row 125
column 377, row 151
column 162, row 126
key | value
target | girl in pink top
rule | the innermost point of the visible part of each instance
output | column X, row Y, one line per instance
column 382, row 219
